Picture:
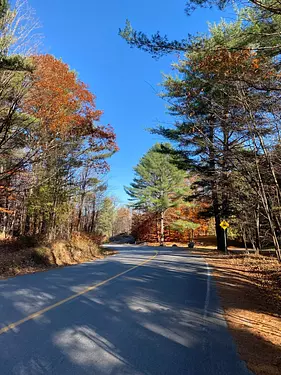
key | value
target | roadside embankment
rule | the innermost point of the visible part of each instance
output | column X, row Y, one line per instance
column 27, row 255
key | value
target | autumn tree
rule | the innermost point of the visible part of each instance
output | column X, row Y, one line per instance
column 123, row 221
column 253, row 80
column 68, row 134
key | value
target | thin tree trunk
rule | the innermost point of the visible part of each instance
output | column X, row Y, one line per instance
column 35, row 221
column 264, row 198
column 93, row 219
column 162, row 239
column 157, row 230
column 258, row 242
column 27, row 225
column 244, row 237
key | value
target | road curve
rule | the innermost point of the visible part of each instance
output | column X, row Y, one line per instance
column 135, row 313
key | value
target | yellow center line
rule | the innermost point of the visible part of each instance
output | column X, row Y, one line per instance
column 43, row 311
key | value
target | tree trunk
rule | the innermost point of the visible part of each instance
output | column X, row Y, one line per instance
column 93, row 219
column 27, row 225
column 162, row 239
column 253, row 128
column 157, row 230
column 44, row 228
column 220, row 235
column 219, row 230
column 214, row 189
column 244, row 235
column 258, row 241
column 80, row 213
column 35, row 222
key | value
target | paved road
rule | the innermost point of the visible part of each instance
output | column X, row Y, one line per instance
column 162, row 318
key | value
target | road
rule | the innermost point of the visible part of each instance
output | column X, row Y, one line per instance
column 159, row 314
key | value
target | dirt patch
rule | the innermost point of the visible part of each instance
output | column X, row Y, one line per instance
column 18, row 257
column 250, row 292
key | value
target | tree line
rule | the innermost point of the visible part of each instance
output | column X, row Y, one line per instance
column 53, row 147
column 225, row 101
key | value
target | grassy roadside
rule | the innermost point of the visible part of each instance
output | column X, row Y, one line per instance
column 26, row 255
column 250, row 292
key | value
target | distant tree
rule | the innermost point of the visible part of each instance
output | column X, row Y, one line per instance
column 106, row 218
column 182, row 225
column 158, row 184
column 123, row 221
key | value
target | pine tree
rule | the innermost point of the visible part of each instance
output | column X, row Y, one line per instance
column 106, row 218
column 158, row 184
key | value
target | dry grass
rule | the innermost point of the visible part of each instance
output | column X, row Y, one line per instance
column 25, row 255
column 250, row 291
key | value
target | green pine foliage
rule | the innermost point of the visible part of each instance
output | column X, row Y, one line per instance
column 158, row 184
column 106, row 218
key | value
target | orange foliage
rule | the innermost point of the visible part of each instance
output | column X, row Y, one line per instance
column 226, row 64
column 59, row 99
column 146, row 227
column 6, row 211
column 65, row 107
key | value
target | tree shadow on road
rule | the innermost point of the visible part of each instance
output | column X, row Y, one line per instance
column 151, row 321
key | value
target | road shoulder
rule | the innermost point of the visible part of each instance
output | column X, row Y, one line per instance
column 249, row 289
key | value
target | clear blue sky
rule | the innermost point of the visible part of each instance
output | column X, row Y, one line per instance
column 85, row 35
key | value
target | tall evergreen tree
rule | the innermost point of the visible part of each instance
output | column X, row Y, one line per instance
column 260, row 31
column 158, row 184
column 106, row 218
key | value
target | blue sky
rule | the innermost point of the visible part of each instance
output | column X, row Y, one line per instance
column 85, row 35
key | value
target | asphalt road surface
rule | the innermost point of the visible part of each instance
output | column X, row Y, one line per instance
column 159, row 314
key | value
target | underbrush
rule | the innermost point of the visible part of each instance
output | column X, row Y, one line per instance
column 29, row 254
